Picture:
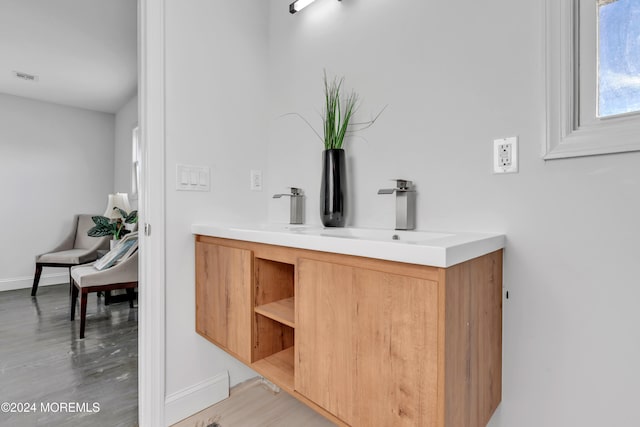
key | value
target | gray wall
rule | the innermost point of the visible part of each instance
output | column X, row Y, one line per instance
column 56, row 161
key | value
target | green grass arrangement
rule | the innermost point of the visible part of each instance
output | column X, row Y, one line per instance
column 337, row 114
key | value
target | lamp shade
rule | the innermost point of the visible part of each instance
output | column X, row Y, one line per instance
column 118, row 200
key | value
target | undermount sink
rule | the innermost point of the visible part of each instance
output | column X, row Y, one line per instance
column 438, row 249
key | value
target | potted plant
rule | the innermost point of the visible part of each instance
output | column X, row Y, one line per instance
column 337, row 120
column 333, row 186
column 337, row 116
column 105, row 227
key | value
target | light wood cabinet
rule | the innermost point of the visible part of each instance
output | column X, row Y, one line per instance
column 366, row 347
column 362, row 341
column 223, row 297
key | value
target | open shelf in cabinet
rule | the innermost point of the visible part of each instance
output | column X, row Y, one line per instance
column 281, row 311
column 273, row 316
column 278, row 368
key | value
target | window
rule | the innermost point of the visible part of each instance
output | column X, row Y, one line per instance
column 593, row 77
column 618, row 57
column 135, row 162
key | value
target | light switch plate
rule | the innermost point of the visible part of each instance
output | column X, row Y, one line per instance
column 192, row 178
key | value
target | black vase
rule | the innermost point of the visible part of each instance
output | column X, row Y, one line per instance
column 333, row 189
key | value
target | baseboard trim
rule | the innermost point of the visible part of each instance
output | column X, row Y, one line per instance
column 11, row 284
column 191, row 400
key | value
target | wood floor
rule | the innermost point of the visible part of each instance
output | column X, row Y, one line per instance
column 251, row 404
column 43, row 362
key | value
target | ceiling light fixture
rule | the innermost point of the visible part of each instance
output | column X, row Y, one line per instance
column 298, row 5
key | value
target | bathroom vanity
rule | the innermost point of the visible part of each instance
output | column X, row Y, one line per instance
column 367, row 327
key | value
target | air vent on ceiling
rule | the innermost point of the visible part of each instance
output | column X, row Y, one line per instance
column 25, row 76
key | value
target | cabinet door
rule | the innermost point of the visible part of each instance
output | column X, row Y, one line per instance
column 223, row 297
column 366, row 344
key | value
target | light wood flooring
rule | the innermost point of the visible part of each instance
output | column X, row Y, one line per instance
column 251, row 404
column 42, row 361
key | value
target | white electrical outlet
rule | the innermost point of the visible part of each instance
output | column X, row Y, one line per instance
column 256, row 180
column 505, row 155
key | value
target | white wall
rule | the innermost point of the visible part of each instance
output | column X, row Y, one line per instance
column 56, row 161
column 126, row 119
column 215, row 101
column 455, row 76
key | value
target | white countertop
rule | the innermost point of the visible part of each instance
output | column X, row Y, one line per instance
column 437, row 249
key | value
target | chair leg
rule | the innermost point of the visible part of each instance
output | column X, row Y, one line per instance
column 83, row 312
column 36, row 280
column 131, row 295
column 74, row 300
column 107, row 297
column 70, row 281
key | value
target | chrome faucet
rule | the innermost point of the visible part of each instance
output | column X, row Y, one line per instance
column 405, row 204
column 296, row 206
